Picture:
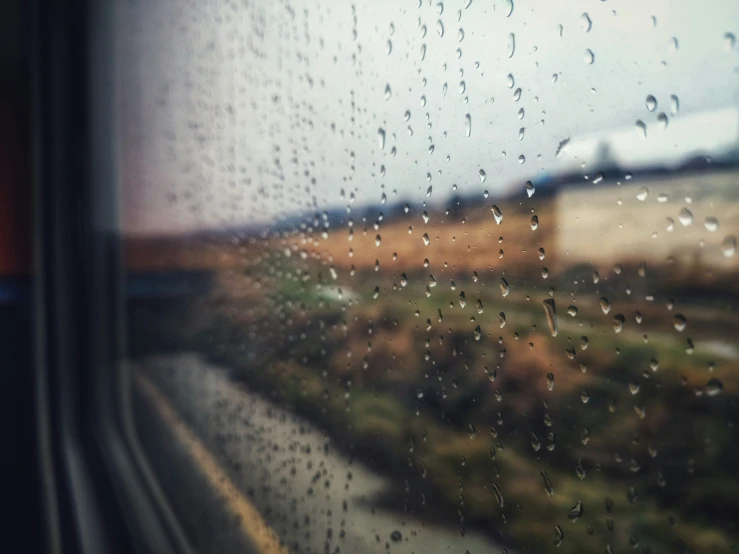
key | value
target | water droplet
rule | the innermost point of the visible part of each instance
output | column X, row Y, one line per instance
column 550, row 309
column 440, row 28
column 729, row 41
column 550, row 381
column 561, row 147
column 497, row 214
column 510, row 81
column 559, row 536
column 521, row 159
column 585, row 23
column 572, row 311
column 509, row 7
column 395, row 536
column 467, row 125
column 679, row 321
column 534, row 222
column 651, row 103
column 407, row 115
column 498, row 495
column 547, row 483
column 388, row 92
column 471, row 432
column 618, row 323
column 504, row 287
column 462, row 87
column 425, row 216
column 511, row 45
column 584, row 397
column 403, row 280
column 460, row 35
column 711, row 224
column 541, row 253
column 575, row 512
column 517, row 94
column 641, row 128
column 674, row 104
column 535, row 443
column 663, row 120
column 381, row 137
column 579, row 469
column 714, row 387
column 423, row 101
column 376, row 292
column 633, row 386
column 674, row 44
column 669, row 224
column 423, row 51
column 389, row 47
column 685, row 217
column 483, row 176
column 605, row 305
column 728, row 246
column 642, row 194
column 378, row 240
column 426, row 239
column 589, row 57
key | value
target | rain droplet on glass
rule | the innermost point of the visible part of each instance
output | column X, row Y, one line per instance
column 685, row 217
column 585, row 22
column 511, row 45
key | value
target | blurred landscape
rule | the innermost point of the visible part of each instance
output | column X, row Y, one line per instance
column 418, row 338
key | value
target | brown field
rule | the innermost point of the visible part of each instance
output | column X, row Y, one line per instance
column 471, row 243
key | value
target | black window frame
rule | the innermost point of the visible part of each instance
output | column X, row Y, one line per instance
column 99, row 493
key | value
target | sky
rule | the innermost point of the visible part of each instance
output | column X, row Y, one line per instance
column 243, row 112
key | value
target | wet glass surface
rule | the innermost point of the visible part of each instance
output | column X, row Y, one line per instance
column 436, row 276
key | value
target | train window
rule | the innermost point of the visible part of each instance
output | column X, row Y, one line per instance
column 435, row 276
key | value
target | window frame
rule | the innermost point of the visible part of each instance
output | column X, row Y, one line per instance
column 99, row 493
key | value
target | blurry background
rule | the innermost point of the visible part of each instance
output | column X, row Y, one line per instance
column 436, row 276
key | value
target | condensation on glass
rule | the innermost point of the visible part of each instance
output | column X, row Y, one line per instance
column 429, row 277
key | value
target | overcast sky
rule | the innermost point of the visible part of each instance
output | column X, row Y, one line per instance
column 245, row 111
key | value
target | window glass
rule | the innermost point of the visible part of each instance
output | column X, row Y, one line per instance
column 422, row 276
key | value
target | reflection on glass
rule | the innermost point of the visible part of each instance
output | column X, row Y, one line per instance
column 437, row 276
